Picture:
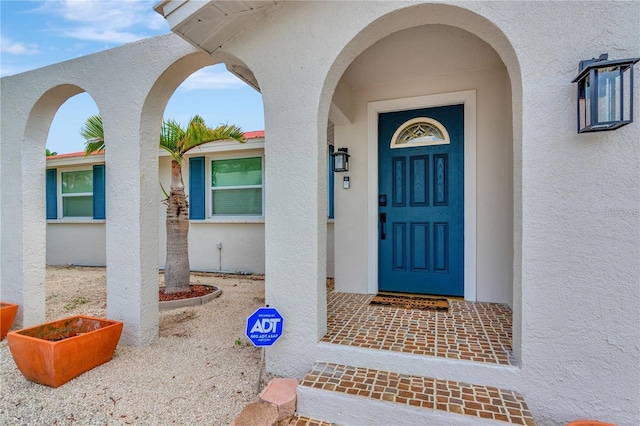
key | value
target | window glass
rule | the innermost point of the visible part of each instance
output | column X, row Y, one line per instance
column 242, row 171
column 77, row 193
column 238, row 202
column 77, row 182
column 236, row 187
column 77, row 206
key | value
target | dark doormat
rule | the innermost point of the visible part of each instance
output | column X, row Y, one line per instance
column 411, row 302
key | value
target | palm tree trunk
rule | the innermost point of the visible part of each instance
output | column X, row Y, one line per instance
column 176, row 269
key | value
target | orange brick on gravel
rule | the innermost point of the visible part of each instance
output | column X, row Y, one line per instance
column 257, row 414
column 282, row 394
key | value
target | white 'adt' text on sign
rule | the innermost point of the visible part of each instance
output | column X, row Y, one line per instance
column 265, row 325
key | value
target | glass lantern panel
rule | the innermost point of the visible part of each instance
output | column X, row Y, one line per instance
column 609, row 95
column 340, row 163
column 626, row 94
column 586, row 121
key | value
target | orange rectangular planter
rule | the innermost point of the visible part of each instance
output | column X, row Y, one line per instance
column 8, row 313
column 55, row 352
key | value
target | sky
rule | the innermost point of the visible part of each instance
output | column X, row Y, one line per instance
column 34, row 34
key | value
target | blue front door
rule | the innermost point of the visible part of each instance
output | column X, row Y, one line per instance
column 421, row 206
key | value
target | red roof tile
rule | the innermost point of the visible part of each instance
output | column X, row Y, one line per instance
column 254, row 135
column 247, row 135
column 75, row 154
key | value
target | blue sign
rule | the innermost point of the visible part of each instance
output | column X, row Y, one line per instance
column 264, row 326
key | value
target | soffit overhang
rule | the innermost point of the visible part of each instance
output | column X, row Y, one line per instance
column 210, row 24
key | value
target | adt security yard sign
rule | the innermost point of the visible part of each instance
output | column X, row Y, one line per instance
column 264, row 326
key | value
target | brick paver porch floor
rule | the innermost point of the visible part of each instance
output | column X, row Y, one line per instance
column 473, row 331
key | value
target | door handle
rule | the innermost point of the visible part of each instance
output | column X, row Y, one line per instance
column 383, row 220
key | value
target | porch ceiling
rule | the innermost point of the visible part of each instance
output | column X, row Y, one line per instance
column 210, row 24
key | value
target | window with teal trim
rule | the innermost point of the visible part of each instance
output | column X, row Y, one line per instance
column 236, row 187
column 77, row 193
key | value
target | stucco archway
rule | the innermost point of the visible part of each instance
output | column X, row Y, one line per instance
column 153, row 69
column 343, row 103
column 28, row 242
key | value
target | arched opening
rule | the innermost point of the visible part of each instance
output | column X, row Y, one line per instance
column 75, row 212
column 413, row 62
column 227, row 217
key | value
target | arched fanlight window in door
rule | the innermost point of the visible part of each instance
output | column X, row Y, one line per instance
column 420, row 131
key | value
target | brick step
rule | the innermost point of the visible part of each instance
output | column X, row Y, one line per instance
column 362, row 396
column 307, row 421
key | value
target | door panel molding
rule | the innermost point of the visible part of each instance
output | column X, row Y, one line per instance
column 468, row 99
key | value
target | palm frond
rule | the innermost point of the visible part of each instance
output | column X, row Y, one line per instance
column 171, row 136
column 93, row 133
column 178, row 141
column 164, row 191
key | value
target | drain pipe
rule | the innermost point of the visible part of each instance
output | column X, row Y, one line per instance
column 219, row 247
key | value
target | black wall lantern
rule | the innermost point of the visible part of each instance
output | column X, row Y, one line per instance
column 341, row 160
column 605, row 93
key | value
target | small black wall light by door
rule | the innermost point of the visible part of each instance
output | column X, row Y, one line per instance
column 341, row 160
column 605, row 93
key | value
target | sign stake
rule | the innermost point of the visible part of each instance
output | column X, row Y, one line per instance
column 264, row 327
column 261, row 367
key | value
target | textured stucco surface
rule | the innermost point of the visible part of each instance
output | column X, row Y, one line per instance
column 575, row 269
column 133, row 75
column 575, row 198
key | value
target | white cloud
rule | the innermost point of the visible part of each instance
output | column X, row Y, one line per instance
column 215, row 78
column 111, row 21
column 7, row 45
column 103, row 35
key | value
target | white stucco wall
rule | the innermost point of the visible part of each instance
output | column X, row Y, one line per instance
column 576, row 295
column 575, row 268
column 76, row 243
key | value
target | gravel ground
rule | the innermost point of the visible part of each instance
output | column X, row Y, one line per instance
column 202, row 370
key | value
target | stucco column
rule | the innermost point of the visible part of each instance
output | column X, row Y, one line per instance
column 132, row 225
column 22, row 225
column 22, row 176
column 295, row 229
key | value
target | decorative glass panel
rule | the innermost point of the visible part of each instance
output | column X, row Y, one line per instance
column 421, row 131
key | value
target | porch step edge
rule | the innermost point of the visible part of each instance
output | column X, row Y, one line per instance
column 360, row 395
column 347, row 410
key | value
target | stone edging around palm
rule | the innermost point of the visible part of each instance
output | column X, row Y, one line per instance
column 193, row 301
